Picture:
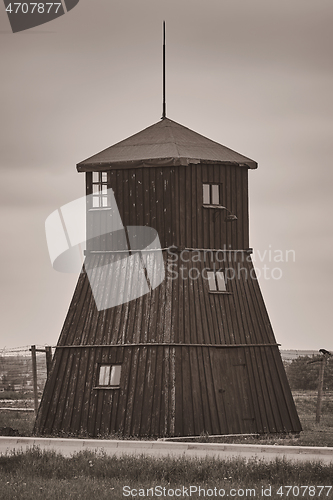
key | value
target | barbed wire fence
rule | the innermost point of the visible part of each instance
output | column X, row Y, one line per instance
column 24, row 370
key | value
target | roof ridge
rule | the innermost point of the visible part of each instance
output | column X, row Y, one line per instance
column 165, row 139
column 172, row 134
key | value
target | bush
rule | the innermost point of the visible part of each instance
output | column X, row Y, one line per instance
column 304, row 376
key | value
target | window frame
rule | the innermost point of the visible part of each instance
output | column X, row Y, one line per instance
column 209, row 193
column 110, row 370
column 99, row 187
column 217, row 283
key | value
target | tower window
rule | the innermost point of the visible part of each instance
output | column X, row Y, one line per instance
column 216, row 281
column 109, row 376
column 100, row 190
column 211, row 194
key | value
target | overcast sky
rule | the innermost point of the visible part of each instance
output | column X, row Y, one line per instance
column 253, row 75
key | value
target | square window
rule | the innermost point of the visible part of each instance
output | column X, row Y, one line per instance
column 211, row 194
column 216, row 281
column 109, row 375
column 100, row 190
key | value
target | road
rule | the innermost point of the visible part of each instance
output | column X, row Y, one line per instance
column 68, row 447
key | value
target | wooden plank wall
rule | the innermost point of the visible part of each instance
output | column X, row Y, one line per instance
column 173, row 389
column 183, row 390
column 218, row 370
column 180, row 310
column 165, row 391
column 170, row 200
column 229, row 390
column 143, row 405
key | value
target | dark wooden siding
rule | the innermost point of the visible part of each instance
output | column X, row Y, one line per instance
column 181, row 309
column 169, row 391
column 171, row 201
column 192, row 361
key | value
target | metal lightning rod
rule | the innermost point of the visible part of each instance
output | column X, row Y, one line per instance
column 164, row 103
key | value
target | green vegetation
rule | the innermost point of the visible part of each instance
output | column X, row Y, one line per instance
column 22, row 421
column 303, row 373
column 16, row 395
column 39, row 475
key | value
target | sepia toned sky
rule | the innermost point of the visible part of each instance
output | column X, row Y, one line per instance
column 253, row 75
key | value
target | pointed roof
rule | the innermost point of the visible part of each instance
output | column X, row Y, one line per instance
column 165, row 143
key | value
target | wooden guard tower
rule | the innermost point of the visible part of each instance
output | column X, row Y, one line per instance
column 197, row 353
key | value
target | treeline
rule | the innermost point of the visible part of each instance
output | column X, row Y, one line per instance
column 303, row 374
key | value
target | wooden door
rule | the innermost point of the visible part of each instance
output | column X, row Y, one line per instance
column 232, row 391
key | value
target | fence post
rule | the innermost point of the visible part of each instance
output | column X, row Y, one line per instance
column 320, row 388
column 34, row 376
column 48, row 352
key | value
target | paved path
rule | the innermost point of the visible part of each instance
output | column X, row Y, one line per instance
column 68, row 447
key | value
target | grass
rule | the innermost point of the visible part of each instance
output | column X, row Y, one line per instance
column 16, row 395
column 40, row 475
column 312, row 435
column 46, row 475
column 19, row 420
column 315, row 434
